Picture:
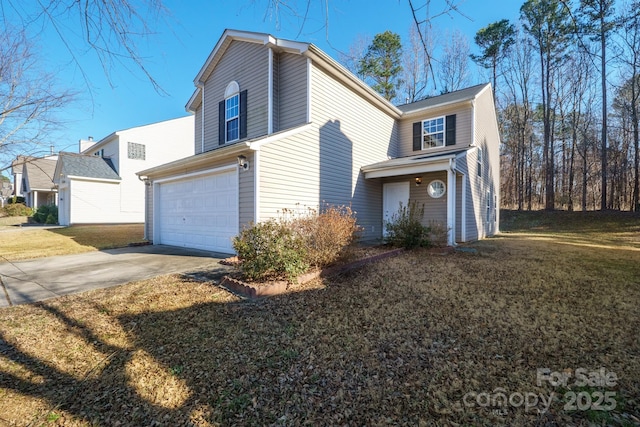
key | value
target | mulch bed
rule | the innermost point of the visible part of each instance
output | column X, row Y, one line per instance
column 361, row 257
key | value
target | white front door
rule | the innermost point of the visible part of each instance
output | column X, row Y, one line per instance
column 393, row 195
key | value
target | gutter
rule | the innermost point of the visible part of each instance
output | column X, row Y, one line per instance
column 195, row 161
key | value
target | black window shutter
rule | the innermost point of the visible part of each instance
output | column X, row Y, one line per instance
column 451, row 130
column 417, row 136
column 221, row 123
column 243, row 114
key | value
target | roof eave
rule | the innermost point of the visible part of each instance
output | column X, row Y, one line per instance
column 251, row 37
column 195, row 161
column 421, row 111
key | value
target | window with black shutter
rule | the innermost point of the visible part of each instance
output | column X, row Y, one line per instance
column 232, row 115
column 434, row 133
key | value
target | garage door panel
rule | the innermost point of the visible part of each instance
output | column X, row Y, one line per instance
column 199, row 212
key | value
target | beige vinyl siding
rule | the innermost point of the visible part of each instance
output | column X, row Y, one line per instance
column 246, row 190
column 198, row 130
column 435, row 210
column 247, row 64
column 292, row 91
column 487, row 136
column 289, row 175
column 246, row 186
column 353, row 133
column 463, row 129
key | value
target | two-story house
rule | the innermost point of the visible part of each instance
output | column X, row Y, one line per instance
column 100, row 184
column 280, row 124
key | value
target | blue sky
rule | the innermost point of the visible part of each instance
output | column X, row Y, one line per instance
column 175, row 54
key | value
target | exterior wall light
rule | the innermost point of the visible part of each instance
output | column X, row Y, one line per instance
column 418, row 180
column 243, row 162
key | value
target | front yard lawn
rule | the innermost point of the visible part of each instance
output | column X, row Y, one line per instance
column 420, row 340
column 33, row 242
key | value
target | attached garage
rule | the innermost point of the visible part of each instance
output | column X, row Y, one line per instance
column 198, row 211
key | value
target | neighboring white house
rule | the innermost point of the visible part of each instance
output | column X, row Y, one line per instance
column 89, row 193
column 280, row 124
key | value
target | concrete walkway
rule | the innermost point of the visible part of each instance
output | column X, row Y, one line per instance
column 39, row 279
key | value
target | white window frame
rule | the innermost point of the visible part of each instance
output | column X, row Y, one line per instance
column 432, row 185
column 426, row 133
column 480, row 162
column 230, row 117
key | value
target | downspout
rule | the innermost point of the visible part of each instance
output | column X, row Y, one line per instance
column 146, row 210
column 451, row 203
column 270, row 95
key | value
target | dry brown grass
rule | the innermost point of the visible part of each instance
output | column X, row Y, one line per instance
column 396, row 343
column 37, row 243
column 12, row 221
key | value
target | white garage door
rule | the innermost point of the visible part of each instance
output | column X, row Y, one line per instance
column 199, row 212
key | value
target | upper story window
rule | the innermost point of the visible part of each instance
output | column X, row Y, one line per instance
column 232, row 112
column 136, row 151
column 433, row 133
column 480, row 162
column 99, row 153
column 232, row 118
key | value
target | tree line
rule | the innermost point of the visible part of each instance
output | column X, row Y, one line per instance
column 566, row 82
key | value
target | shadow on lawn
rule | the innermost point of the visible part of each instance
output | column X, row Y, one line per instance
column 169, row 372
column 383, row 345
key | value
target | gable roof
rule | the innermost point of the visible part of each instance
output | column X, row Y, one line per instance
column 39, row 174
column 308, row 50
column 80, row 165
column 462, row 95
column 17, row 164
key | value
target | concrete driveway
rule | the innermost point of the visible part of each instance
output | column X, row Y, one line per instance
column 39, row 279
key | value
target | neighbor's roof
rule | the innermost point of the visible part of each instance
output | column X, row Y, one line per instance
column 39, row 174
column 17, row 164
column 462, row 95
column 87, row 166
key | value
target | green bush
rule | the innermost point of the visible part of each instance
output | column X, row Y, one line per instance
column 46, row 214
column 405, row 228
column 292, row 244
column 327, row 234
column 271, row 250
column 17, row 209
column 17, row 200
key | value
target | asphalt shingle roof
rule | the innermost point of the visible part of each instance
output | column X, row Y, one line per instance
column 39, row 173
column 456, row 96
column 87, row 166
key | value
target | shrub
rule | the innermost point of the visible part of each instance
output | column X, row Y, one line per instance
column 438, row 233
column 17, row 200
column 405, row 228
column 271, row 249
column 327, row 234
column 17, row 209
column 46, row 214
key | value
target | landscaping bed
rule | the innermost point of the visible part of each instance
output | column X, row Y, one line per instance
column 358, row 257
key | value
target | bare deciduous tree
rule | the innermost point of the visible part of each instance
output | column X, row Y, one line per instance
column 453, row 68
column 29, row 99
